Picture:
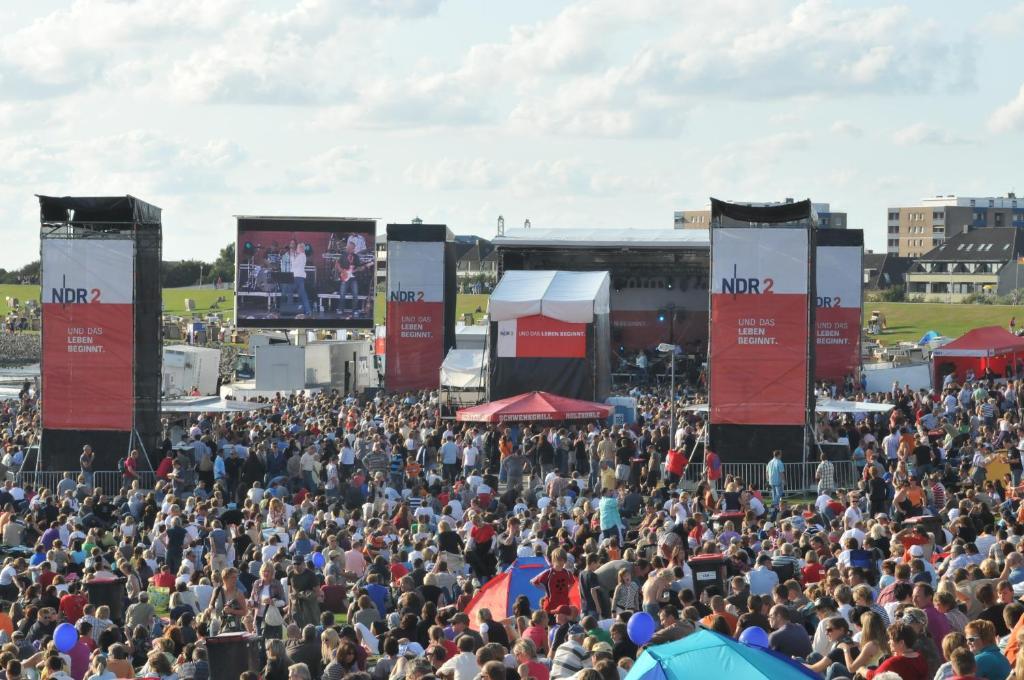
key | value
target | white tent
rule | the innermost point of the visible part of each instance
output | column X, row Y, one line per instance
column 823, row 406
column 210, row 405
column 573, row 297
column 464, row 369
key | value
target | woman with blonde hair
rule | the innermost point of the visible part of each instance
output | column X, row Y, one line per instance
column 874, row 644
column 329, row 641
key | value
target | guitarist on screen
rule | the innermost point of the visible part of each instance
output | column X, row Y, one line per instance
column 346, row 268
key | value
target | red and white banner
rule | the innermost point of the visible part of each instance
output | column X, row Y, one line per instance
column 541, row 336
column 759, row 326
column 838, row 313
column 415, row 315
column 88, row 334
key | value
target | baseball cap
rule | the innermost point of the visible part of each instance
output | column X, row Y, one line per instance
column 916, row 551
column 566, row 610
column 576, row 629
column 601, row 647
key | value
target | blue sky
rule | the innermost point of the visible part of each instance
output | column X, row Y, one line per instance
column 595, row 113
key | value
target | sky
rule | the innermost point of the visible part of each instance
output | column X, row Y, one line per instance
column 596, row 113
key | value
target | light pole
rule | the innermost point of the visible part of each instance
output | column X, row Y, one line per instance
column 672, row 349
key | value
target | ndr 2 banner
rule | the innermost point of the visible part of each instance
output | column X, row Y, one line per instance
column 88, row 334
column 759, row 326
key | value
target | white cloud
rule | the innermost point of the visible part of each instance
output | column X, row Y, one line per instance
column 329, row 170
column 846, row 128
column 925, row 133
column 1009, row 116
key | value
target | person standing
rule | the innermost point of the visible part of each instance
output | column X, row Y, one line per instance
column 86, row 461
column 825, row 474
column 776, row 478
column 297, row 265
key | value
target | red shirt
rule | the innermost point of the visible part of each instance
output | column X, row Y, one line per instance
column 398, row 570
column 164, row 468
column 676, row 461
column 812, row 573
column 482, row 534
column 558, row 583
column 538, row 671
column 130, row 465
column 46, row 578
column 905, row 667
column 162, row 580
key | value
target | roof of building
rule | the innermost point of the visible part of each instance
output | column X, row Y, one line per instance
column 989, row 244
column 889, row 270
column 606, row 238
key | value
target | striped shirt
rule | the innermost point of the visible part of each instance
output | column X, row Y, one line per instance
column 570, row 658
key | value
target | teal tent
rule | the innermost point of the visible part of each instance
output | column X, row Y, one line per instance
column 706, row 652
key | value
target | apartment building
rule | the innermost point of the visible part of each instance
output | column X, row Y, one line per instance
column 914, row 230
column 983, row 261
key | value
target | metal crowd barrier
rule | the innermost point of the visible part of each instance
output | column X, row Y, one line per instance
column 109, row 481
column 799, row 477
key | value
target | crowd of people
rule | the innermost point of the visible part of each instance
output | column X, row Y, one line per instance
column 351, row 534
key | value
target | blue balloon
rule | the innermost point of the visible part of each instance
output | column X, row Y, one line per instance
column 755, row 637
column 640, row 628
column 65, row 637
column 318, row 560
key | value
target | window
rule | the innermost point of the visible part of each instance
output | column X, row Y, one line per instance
column 972, row 202
column 894, row 216
column 999, row 219
column 938, row 215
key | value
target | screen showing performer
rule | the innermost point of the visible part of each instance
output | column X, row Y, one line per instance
column 295, row 272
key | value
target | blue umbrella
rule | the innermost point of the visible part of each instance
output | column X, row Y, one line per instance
column 707, row 652
column 927, row 337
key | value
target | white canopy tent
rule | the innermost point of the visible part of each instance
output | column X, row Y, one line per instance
column 464, row 369
column 573, row 297
column 210, row 405
column 823, row 406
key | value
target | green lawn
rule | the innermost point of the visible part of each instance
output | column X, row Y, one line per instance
column 174, row 301
column 906, row 320
column 911, row 320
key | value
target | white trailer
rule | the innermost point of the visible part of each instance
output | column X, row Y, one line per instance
column 187, row 368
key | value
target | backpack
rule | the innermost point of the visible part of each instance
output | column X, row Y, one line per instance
column 121, row 465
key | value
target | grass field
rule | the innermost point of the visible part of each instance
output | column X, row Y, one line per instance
column 174, row 301
column 906, row 320
column 910, row 320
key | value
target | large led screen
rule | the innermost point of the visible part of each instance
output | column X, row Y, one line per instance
column 297, row 272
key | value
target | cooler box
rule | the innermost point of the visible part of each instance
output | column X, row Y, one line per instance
column 110, row 592
column 734, row 516
column 231, row 654
column 708, row 571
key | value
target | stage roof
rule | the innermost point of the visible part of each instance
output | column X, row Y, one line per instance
column 573, row 297
column 605, row 238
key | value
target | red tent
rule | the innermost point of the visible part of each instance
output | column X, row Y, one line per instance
column 534, row 406
column 989, row 347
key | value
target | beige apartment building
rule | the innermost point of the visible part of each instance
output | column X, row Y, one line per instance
column 914, row 230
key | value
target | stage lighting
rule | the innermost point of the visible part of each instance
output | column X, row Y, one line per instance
column 662, row 316
column 668, row 283
column 248, row 246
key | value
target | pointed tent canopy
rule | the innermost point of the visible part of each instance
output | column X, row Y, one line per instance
column 990, row 341
column 534, row 406
column 500, row 593
column 706, row 653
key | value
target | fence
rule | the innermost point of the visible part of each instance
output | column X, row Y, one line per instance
column 109, row 481
column 800, row 477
